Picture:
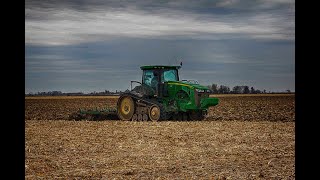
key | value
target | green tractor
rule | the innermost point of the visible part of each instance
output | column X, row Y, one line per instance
column 162, row 96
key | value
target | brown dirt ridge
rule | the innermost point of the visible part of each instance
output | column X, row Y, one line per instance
column 232, row 107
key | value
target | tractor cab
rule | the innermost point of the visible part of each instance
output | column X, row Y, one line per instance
column 152, row 75
column 156, row 77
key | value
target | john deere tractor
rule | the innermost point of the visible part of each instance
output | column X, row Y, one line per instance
column 162, row 96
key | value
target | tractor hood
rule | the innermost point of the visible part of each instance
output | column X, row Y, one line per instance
column 190, row 85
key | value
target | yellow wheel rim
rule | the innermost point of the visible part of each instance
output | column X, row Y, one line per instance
column 154, row 113
column 125, row 108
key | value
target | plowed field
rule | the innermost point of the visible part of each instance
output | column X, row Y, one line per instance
column 244, row 137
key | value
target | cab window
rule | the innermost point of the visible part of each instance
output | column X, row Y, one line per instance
column 169, row 75
column 147, row 77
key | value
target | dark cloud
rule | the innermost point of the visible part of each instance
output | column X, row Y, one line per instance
column 97, row 45
column 151, row 5
column 70, row 22
column 105, row 65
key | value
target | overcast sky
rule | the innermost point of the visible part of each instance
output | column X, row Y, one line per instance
column 99, row 45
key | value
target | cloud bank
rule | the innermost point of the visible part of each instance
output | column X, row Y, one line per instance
column 69, row 25
column 97, row 45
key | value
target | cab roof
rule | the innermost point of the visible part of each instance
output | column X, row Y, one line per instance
column 159, row 67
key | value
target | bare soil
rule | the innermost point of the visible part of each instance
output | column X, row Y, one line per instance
column 237, row 141
column 272, row 107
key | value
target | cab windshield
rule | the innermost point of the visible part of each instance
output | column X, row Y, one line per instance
column 169, row 75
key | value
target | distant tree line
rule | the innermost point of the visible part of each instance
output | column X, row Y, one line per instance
column 222, row 89
column 59, row 93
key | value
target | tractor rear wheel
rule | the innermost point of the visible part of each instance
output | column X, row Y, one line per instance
column 125, row 108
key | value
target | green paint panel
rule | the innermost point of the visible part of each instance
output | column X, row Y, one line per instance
column 207, row 102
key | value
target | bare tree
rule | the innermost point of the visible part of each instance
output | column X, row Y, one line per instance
column 224, row 89
column 246, row 90
column 214, row 88
column 252, row 91
column 237, row 89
